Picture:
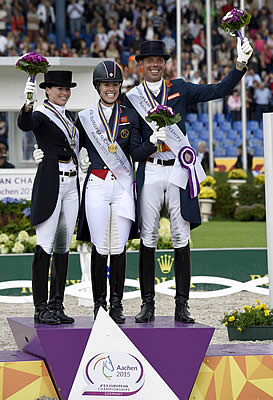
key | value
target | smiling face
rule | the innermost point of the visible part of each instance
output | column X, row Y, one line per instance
column 153, row 68
column 109, row 92
column 58, row 95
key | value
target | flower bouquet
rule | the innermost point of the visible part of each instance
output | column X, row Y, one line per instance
column 163, row 116
column 33, row 64
column 237, row 173
column 234, row 20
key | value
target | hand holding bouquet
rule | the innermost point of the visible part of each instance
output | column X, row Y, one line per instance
column 234, row 20
column 33, row 64
column 163, row 116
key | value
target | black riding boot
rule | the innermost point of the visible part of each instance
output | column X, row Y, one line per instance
column 99, row 280
column 147, row 283
column 40, row 269
column 182, row 269
column 117, row 279
column 59, row 267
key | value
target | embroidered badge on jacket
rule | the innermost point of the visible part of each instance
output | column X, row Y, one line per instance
column 173, row 96
column 124, row 119
column 124, row 133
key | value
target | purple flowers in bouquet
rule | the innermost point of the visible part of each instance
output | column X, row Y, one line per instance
column 163, row 116
column 234, row 20
column 33, row 64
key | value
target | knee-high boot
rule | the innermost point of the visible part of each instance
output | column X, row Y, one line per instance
column 40, row 269
column 99, row 279
column 59, row 268
column 182, row 269
column 147, row 283
column 117, row 279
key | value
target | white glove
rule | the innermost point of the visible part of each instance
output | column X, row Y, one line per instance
column 84, row 164
column 38, row 154
column 159, row 135
column 244, row 50
column 30, row 88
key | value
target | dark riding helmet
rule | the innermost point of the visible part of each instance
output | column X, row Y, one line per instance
column 107, row 71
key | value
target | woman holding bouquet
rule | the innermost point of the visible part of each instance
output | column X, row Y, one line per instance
column 171, row 175
column 55, row 195
column 110, row 133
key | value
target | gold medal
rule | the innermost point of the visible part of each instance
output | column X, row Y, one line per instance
column 112, row 148
column 73, row 144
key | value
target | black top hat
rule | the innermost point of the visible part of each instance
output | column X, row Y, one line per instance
column 58, row 78
column 152, row 48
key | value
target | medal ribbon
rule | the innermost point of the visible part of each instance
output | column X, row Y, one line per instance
column 58, row 115
column 150, row 95
column 187, row 159
column 111, row 133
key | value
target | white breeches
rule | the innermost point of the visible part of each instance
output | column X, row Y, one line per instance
column 155, row 191
column 109, row 231
column 56, row 232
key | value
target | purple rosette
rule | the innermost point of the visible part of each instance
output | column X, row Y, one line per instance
column 187, row 158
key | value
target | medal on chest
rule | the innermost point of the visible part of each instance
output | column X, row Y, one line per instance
column 71, row 130
column 111, row 132
column 153, row 104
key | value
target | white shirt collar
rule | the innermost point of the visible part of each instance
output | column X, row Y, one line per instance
column 155, row 87
column 60, row 109
column 107, row 111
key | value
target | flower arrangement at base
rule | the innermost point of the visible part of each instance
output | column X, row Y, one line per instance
column 207, row 192
column 259, row 179
column 258, row 314
column 237, row 173
column 208, row 181
column 33, row 64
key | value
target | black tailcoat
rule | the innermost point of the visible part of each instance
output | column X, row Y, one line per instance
column 52, row 140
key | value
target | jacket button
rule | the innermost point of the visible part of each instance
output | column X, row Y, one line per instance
column 65, row 149
column 105, row 167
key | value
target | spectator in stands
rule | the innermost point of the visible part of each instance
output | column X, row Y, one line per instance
column 75, row 12
column 239, row 161
column 262, row 97
column 112, row 49
column 135, row 42
column 116, row 33
column 3, row 130
column 234, row 104
column 33, row 23
column 3, row 44
column 3, row 16
column 46, row 13
column 17, row 20
column 203, row 156
column 142, row 23
column 223, row 54
column 251, row 76
column 96, row 47
column 169, row 41
column 3, row 155
column 76, row 41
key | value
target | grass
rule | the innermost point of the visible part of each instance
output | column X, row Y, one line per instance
column 227, row 234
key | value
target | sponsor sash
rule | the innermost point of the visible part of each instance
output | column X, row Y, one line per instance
column 117, row 162
column 57, row 121
column 176, row 141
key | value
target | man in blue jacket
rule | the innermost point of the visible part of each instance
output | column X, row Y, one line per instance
column 173, row 173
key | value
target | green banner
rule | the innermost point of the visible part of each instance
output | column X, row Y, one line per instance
column 241, row 265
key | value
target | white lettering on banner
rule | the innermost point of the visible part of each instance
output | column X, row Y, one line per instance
column 17, row 183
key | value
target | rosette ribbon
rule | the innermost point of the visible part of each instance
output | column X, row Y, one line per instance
column 187, row 159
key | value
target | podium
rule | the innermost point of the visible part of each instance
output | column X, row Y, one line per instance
column 175, row 350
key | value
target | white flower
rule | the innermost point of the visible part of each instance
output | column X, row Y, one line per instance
column 3, row 238
column 227, row 16
column 32, row 240
column 3, row 249
column 22, row 236
column 18, row 248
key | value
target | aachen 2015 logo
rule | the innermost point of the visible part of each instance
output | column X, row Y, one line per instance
column 113, row 374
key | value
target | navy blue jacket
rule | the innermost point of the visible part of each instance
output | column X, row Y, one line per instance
column 130, row 140
column 187, row 93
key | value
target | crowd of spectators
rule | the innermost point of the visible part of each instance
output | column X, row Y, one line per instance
column 115, row 29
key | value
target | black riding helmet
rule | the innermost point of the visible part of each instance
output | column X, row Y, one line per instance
column 107, row 71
